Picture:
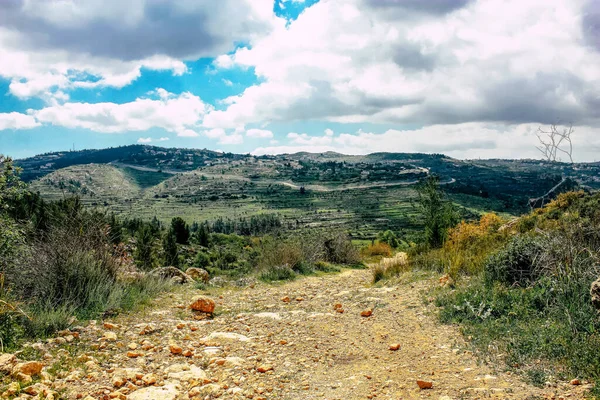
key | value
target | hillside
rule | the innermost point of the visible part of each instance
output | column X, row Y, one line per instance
column 362, row 194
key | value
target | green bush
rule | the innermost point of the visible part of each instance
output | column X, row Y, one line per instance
column 277, row 273
column 516, row 262
column 202, row 260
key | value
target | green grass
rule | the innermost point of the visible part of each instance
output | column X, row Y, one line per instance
column 526, row 325
column 145, row 179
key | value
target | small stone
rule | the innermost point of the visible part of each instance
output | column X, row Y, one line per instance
column 264, row 368
column 203, row 304
column 575, row 382
column 13, row 388
column 134, row 354
column 119, row 381
column 23, row 378
column 366, row 313
column 424, row 384
column 132, row 346
column 149, row 379
column 148, row 329
column 175, row 349
column 110, row 336
column 285, row 299
column 395, row 347
column 111, row 326
column 299, row 299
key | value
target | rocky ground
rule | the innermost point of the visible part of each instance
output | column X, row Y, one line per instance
column 328, row 337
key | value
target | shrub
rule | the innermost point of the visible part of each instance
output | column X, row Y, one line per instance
column 516, row 263
column 73, row 265
column 277, row 273
column 326, row 267
column 377, row 249
column 388, row 237
column 390, row 267
column 202, row 260
column 340, row 250
column 144, row 248
column 274, row 253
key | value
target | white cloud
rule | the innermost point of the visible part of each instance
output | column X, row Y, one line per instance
column 15, row 120
column 215, row 133
column 259, row 133
column 509, row 61
column 227, row 82
column 150, row 140
column 49, row 46
column 328, row 132
column 174, row 113
column 305, row 139
column 235, row 138
column 467, row 140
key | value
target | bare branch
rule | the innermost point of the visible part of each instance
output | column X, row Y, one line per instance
column 554, row 141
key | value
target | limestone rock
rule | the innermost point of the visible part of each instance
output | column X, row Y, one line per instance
column 7, row 363
column 424, row 384
column 226, row 336
column 264, row 368
column 175, row 274
column 166, row 392
column 186, row 373
column 30, row 368
column 203, row 304
column 198, row 274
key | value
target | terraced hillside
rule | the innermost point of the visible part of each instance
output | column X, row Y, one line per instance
column 362, row 194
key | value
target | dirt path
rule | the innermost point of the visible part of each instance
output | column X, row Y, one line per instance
column 314, row 351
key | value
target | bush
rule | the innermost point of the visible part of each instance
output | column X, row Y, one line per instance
column 390, row 267
column 377, row 249
column 73, row 265
column 388, row 237
column 340, row 250
column 277, row 273
column 202, row 260
column 516, row 263
column 323, row 266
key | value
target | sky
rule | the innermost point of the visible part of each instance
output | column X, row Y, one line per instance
column 467, row 78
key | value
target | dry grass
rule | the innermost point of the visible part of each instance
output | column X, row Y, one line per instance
column 391, row 266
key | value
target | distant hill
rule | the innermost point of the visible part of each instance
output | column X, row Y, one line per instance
column 362, row 194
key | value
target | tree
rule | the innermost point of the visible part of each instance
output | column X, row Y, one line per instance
column 389, row 237
column 181, row 230
column 169, row 244
column 202, row 236
column 555, row 142
column 144, row 250
column 438, row 213
column 11, row 186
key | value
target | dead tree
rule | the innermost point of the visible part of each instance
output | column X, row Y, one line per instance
column 555, row 142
